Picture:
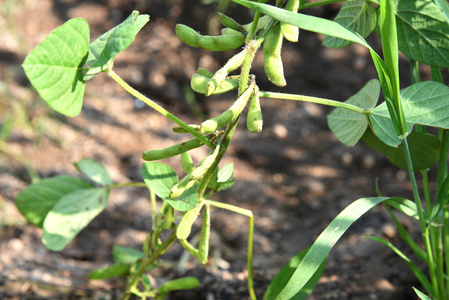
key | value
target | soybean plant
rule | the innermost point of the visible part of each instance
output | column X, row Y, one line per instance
column 396, row 128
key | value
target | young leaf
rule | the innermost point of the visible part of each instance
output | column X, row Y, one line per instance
column 54, row 67
column 358, row 15
column 111, row 43
column 226, row 173
column 421, row 295
column 110, row 271
column 71, row 214
column 94, row 171
column 349, row 126
column 424, row 150
column 324, row 243
column 423, row 32
column 281, row 279
column 36, row 200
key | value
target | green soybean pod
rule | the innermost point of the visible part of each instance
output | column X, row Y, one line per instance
column 229, row 22
column 172, row 150
column 186, row 162
column 207, row 42
column 204, row 72
column 185, row 226
column 291, row 32
column 203, row 248
column 199, row 84
column 272, row 63
column 219, row 77
column 254, row 120
column 198, row 172
column 227, row 116
column 186, row 283
column 183, row 185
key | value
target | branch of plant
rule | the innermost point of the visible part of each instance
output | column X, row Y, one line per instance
column 158, row 108
column 310, row 99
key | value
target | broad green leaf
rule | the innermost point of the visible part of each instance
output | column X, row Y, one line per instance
column 71, row 214
column 349, row 126
column 424, row 103
column 324, row 243
column 126, row 255
column 358, row 15
column 226, row 173
column 36, row 200
column 281, row 278
column 423, row 32
column 94, row 171
column 110, row 271
column 111, row 43
column 159, row 177
column 418, row 273
column 424, row 150
column 54, row 67
column 443, row 5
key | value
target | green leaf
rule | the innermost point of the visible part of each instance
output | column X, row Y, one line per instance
column 110, row 271
column 226, row 173
column 111, row 43
column 324, row 243
column 424, row 150
column 281, row 279
column 349, row 126
column 126, row 255
column 442, row 199
column 418, row 273
column 94, row 171
column 54, row 67
column 160, row 178
column 423, row 32
column 443, row 5
column 358, row 15
column 71, row 214
column 36, row 200
column 423, row 103
column 421, row 295
column 405, row 206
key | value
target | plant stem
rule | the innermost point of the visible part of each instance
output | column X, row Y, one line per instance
column 422, row 221
column 319, row 3
column 249, row 214
column 134, row 280
column 158, row 108
column 311, row 100
column 127, row 184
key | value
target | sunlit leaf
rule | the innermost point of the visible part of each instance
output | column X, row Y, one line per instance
column 94, row 171
column 54, row 67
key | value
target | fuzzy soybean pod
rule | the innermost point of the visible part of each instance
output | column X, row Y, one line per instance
column 272, row 63
column 183, row 185
column 186, row 162
column 254, row 120
column 172, row 150
column 203, row 248
column 199, row 171
column 235, row 110
column 219, row 77
column 185, row 226
column 207, row 42
column 200, row 84
column 291, row 32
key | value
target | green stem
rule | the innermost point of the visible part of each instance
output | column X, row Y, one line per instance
column 311, row 100
column 446, row 241
column 422, row 221
column 249, row 214
column 158, row 108
column 127, row 184
column 319, row 3
column 134, row 280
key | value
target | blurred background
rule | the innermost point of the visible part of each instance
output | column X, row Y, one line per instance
column 295, row 176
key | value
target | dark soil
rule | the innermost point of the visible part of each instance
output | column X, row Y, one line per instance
column 295, row 176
